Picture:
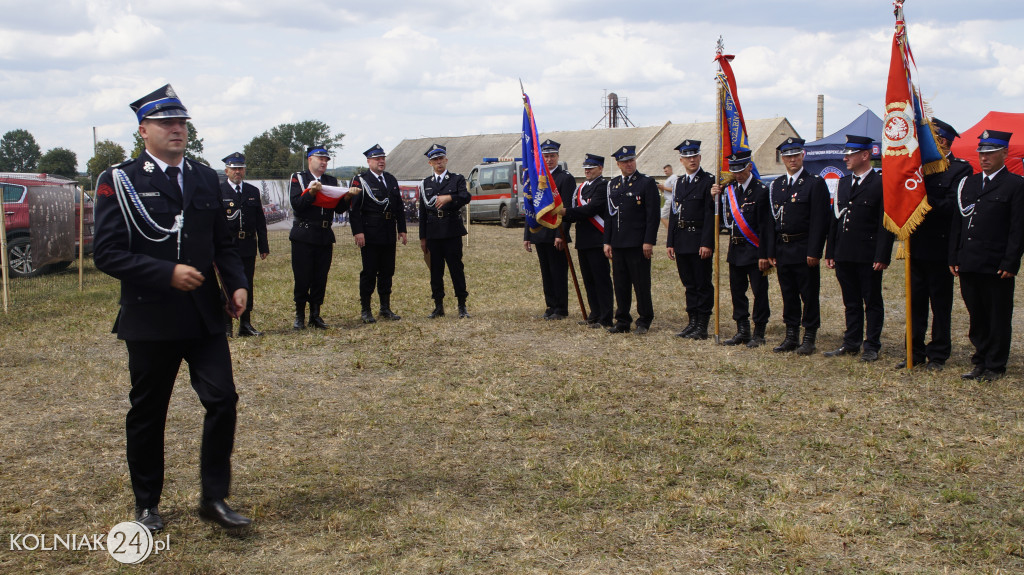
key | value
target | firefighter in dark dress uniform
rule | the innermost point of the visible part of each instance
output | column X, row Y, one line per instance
column 441, row 229
column 161, row 231
column 377, row 217
column 552, row 243
column 691, row 238
column 312, row 237
column 589, row 211
column 630, row 233
column 859, row 249
column 747, row 200
column 931, row 284
column 248, row 223
column 985, row 243
column 799, row 203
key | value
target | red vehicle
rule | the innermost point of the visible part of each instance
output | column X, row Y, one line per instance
column 19, row 223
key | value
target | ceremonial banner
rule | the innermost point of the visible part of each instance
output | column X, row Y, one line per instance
column 540, row 203
column 732, row 117
column 908, row 144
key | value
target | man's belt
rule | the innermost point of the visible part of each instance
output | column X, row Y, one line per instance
column 690, row 225
column 312, row 223
column 738, row 240
column 440, row 213
column 787, row 238
column 378, row 215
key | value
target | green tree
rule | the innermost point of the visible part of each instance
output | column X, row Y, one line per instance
column 19, row 152
column 297, row 137
column 267, row 158
column 60, row 162
column 193, row 147
column 107, row 154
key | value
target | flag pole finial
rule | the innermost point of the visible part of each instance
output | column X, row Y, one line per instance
column 720, row 47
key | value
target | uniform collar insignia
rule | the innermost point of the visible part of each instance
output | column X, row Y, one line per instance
column 148, row 167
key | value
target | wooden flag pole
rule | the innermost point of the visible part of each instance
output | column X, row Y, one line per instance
column 718, row 177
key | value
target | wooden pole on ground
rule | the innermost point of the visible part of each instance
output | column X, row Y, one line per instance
column 906, row 287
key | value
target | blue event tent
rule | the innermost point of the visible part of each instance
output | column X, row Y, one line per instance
column 825, row 156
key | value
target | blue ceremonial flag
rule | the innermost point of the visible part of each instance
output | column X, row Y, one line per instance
column 732, row 116
column 540, row 203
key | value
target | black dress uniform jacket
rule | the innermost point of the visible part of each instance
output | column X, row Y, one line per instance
column 595, row 194
column 150, row 308
column 378, row 223
column 753, row 203
column 250, row 228
column 859, row 234
column 565, row 183
column 443, row 223
column 930, row 241
column 312, row 224
column 691, row 223
column 801, row 219
column 992, row 237
column 636, row 203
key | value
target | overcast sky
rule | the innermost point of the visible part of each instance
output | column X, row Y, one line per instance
column 389, row 70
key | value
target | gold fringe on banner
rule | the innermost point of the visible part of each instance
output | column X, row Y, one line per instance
column 941, row 165
column 915, row 219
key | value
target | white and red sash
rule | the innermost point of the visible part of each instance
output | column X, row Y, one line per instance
column 578, row 200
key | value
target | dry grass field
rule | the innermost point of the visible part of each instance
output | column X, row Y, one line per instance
column 508, row 444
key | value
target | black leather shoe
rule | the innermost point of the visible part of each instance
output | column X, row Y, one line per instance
column 869, row 355
column 463, row 314
column 389, row 315
column 974, row 373
column 438, row 312
column 245, row 329
column 150, row 517
column 990, row 375
column 596, row 325
column 217, row 510
column 903, row 364
column 640, row 330
column 935, row 366
column 314, row 317
column 367, row 316
column 619, row 328
column 842, row 350
column 547, row 314
column 556, row 316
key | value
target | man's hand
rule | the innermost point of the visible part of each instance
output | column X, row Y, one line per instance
column 879, row 266
column 813, row 262
column 360, row 239
column 354, row 188
column 764, row 264
column 608, row 251
column 648, row 250
column 442, row 201
column 830, row 263
column 405, row 238
column 704, row 253
column 238, row 300
column 186, row 278
column 671, row 253
column 559, row 244
column 315, row 188
column 1005, row 275
column 264, row 255
column 423, row 245
column 526, row 246
column 716, row 189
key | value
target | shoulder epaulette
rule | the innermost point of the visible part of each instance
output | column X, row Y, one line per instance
column 123, row 164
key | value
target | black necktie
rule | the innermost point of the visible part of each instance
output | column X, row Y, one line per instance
column 984, row 182
column 238, row 192
column 172, row 175
column 856, row 182
column 381, row 178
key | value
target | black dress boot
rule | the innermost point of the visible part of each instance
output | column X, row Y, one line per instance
column 689, row 326
column 791, row 342
column 742, row 334
column 807, row 347
column 700, row 330
column 385, row 309
column 463, row 314
column 314, row 317
column 757, row 340
column 245, row 328
column 300, row 316
column 438, row 309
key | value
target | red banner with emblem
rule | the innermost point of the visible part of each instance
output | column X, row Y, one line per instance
column 902, row 179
